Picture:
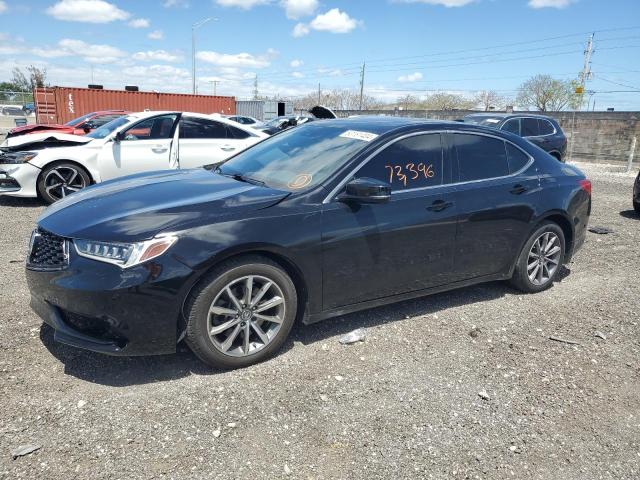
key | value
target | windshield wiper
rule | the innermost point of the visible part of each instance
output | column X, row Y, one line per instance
column 239, row 177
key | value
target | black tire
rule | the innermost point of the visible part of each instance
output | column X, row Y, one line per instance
column 71, row 177
column 520, row 278
column 636, row 206
column 212, row 287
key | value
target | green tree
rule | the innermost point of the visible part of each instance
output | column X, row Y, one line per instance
column 546, row 93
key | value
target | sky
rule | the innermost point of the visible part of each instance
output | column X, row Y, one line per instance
column 408, row 46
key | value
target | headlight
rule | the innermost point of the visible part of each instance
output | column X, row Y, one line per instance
column 124, row 254
column 17, row 157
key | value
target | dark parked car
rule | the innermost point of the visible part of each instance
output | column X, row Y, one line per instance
column 317, row 221
column 544, row 131
column 636, row 194
column 285, row 122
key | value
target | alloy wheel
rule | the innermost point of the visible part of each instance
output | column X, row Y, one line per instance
column 62, row 181
column 246, row 315
column 544, row 258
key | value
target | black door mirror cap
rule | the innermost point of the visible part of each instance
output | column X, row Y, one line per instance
column 118, row 137
column 366, row 190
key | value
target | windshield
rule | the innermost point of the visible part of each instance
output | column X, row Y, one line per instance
column 77, row 121
column 108, row 128
column 297, row 159
column 483, row 120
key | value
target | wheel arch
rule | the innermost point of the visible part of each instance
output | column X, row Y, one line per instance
column 563, row 221
column 270, row 252
column 92, row 175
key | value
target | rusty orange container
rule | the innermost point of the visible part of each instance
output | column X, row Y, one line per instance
column 61, row 104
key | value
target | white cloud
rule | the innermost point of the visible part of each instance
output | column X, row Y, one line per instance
column 334, row 21
column 296, row 9
column 139, row 23
column 236, row 60
column 243, row 4
column 175, row 3
column 296, row 63
column 89, row 11
column 3, row 6
column 412, row 77
column 445, row 3
column 77, row 48
column 157, row 56
column 331, row 72
column 550, row 3
column 300, row 30
column 297, row 75
column 156, row 35
column 156, row 70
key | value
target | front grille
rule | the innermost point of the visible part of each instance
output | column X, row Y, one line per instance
column 48, row 251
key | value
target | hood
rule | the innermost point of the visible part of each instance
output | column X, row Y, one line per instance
column 25, row 129
column 322, row 112
column 37, row 141
column 140, row 206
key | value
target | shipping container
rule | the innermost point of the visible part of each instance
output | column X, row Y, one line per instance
column 61, row 104
column 264, row 110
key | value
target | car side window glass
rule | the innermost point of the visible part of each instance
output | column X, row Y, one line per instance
column 512, row 125
column 154, row 128
column 413, row 162
column 192, row 128
column 237, row 133
column 530, row 127
column 517, row 158
column 480, row 157
column 546, row 127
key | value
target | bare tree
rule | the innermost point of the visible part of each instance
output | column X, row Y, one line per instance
column 448, row 101
column 409, row 102
column 490, row 100
column 546, row 93
column 337, row 100
column 35, row 77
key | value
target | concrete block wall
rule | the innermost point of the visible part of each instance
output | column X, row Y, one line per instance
column 599, row 137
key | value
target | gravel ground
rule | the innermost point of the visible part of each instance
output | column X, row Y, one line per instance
column 464, row 384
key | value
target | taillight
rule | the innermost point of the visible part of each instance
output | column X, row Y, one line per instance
column 586, row 186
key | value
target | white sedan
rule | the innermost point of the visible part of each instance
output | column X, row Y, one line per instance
column 52, row 166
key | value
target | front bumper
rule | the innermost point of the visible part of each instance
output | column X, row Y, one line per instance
column 100, row 307
column 19, row 180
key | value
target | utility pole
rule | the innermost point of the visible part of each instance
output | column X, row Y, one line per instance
column 361, row 83
column 586, row 74
column 194, row 27
column 255, row 87
column 319, row 93
column 214, row 85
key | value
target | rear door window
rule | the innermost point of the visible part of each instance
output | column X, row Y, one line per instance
column 413, row 162
column 480, row 157
column 530, row 127
column 546, row 127
column 201, row 128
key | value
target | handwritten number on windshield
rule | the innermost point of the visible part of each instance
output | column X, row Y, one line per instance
column 409, row 172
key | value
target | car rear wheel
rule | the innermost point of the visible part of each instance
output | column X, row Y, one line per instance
column 242, row 313
column 61, row 179
column 540, row 260
column 636, row 206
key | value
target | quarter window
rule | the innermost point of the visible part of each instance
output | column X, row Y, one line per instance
column 413, row 162
column 512, row 126
column 480, row 157
column 517, row 158
column 546, row 127
column 530, row 127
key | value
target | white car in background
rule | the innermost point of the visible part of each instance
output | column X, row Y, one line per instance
column 131, row 144
column 246, row 120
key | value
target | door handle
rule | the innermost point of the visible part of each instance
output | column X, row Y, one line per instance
column 228, row 148
column 518, row 189
column 159, row 148
column 439, row 205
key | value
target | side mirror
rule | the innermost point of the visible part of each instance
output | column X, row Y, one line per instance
column 88, row 126
column 366, row 190
column 119, row 137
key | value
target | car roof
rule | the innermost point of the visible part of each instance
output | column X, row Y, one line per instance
column 381, row 125
column 507, row 115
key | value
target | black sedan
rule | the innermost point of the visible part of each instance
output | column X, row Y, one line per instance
column 317, row 221
column 541, row 130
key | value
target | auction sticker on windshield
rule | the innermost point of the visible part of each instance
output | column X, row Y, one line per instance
column 358, row 135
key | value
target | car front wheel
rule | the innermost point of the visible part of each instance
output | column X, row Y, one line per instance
column 241, row 313
column 540, row 260
column 61, row 179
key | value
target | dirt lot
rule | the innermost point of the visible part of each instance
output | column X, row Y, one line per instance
column 406, row 403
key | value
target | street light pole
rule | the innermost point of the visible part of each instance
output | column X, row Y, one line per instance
column 194, row 27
